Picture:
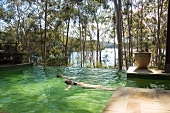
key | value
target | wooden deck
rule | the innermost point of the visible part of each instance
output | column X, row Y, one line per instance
column 147, row 73
column 138, row 100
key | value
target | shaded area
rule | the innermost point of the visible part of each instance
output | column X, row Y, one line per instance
column 9, row 53
column 143, row 71
column 167, row 62
column 148, row 83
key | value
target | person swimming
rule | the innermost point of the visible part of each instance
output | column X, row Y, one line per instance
column 70, row 83
column 62, row 76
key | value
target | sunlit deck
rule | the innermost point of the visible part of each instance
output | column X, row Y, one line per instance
column 138, row 100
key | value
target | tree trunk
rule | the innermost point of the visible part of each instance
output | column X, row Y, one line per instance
column 66, row 44
column 91, row 50
column 84, row 46
column 45, row 32
column 129, row 37
column 125, row 52
column 141, row 30
column 114, row 40
column 84, row 42
column 119, row 31
column 158, row 36
column 41, row 43
column 97, row 48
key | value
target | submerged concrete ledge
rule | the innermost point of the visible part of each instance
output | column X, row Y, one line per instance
column 5, row 67
column 147, row 74
column 138, row 100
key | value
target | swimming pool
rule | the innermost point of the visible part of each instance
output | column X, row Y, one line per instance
column 37, row 90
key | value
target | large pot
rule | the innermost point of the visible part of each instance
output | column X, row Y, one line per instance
column 142, row 59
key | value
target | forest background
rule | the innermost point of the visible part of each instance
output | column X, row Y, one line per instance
column 52, row 29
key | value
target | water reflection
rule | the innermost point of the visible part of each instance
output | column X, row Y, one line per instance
column 148, row 83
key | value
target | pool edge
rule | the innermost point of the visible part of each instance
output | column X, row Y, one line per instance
column 14, row 66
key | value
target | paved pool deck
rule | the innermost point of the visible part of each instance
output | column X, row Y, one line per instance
column 138, row 100
column 133, row 72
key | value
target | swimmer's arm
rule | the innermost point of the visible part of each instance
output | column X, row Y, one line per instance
column 72, row 77
column 67, row 77
column 69, row 86
column 108, row 89
column 88, row 86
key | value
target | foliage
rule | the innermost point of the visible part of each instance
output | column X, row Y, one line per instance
column 82, row 26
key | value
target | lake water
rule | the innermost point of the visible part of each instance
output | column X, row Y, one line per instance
column 108, row 57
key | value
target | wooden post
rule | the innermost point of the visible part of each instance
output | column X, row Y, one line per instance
column 167, row 62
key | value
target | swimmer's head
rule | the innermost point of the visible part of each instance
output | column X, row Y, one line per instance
column 69, row 82
column 59, row 76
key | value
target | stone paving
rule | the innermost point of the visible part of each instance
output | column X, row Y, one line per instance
column 138, row 100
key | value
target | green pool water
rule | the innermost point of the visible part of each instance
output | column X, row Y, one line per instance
column 37, row 90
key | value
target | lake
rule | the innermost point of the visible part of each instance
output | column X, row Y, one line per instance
column 108, row 57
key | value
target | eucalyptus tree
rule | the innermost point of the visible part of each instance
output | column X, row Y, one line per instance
column 119, row 31
column 7, row 31
column 45, row 31
column 128, row 15
column 35, row 28
column 40, row 26
column 95, row 9
column 149, row 22
column 114, row 37
column 84, row 22
column 155, row 23
column 65, row 15
column 160, row 14
column 16, row 20
column 50, row 21
column 8, row 11
column 46, row 13
column 37, row 10
column 82, row 19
